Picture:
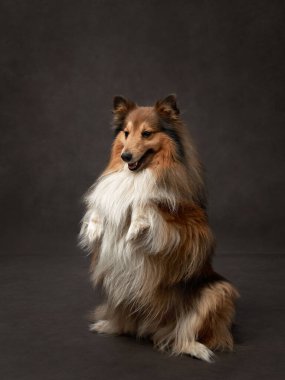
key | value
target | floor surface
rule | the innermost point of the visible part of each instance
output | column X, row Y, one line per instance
column 46, row 297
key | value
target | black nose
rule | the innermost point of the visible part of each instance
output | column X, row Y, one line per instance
column 126, row 156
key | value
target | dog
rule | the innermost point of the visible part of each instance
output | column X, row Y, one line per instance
column 147, row 230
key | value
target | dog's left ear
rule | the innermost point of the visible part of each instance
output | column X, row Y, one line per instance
column 168, row 106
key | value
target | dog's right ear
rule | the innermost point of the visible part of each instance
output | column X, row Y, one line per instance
column 122, row 105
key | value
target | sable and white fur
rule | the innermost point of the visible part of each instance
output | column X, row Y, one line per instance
column 150, row 242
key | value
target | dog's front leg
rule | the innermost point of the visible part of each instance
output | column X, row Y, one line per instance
column 139, row 224
column 151, row 232
column 92, row 228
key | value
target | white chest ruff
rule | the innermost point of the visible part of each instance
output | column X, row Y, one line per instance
column 111, row 204
column 118, row 193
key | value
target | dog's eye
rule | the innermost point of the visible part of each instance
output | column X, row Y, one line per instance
column 146, row 133
column 126, row 134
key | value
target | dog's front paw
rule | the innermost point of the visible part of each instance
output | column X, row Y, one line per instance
column 94, row 229
column 137, row 229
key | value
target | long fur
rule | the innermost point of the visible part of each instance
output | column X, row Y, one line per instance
column 150, row 241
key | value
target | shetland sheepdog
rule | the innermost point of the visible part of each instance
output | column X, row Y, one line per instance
column 147, row 230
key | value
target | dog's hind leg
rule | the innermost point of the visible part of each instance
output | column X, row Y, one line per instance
column 181, row 338
column 185, row 338
column 216, row 309
column 207, row 325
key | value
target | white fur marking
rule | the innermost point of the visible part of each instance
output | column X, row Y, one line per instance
column 200, row 351
column 103, row 327
column 122, row 213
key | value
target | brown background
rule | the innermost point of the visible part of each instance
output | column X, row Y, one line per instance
column 62, row 61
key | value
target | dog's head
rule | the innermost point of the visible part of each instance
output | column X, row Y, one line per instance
column 145, row 131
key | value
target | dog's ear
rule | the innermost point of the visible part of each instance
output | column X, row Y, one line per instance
column 122, row 105
column 167, row 107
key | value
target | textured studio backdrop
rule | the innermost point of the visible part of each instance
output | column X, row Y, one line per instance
column 63, row 61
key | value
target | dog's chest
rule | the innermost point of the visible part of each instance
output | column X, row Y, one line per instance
column 114, row 199
column 118, row 193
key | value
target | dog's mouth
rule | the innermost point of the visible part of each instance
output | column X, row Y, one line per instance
column 138, row 164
